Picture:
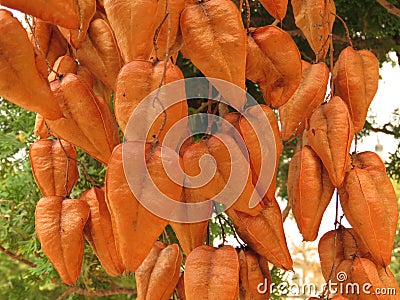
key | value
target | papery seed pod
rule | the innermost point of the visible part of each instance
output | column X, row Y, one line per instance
column 315, row 19
column 367, row 191
column 231, row 190
column 48, row 41
column 54, row 172
column 203, row 273
column 191, row 235
column 86, row 10
column 61, row 13
column 98, row 231
column 276, row 8
column 356, row 77
column 158, row 275
column 128, row 215
column 20, row 81
column 133, row 23
column 59, row 228
column 389, row 282
column 215, row 41
column 99, row 53
column 139, row 80
column 309, row 191
column 63, row 65
column 273, row 61
column 339, row 297
column 330, row 134
column 88, row 122
column 253, row 271
column 180, row 287
column 264, row 233
column 347, row 244
column 40, row 130
column 308, row 96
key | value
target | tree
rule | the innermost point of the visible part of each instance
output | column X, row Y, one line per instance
column 24, row 270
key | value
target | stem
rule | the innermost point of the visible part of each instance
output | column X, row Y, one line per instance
column 345, row 28
column 16, row 257
column 222, row 229
column 331, row 49
column 98, row 293
column 234, row 231
column 286, row 211
column 156, row 33
column 248, row 15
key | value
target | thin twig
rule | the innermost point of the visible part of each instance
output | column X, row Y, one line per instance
column 156, row 33
column 286, row 211
column 345, row 28
column 17, row 258
column 97, row 293
column 234, row 231
column 331, row 49
column 222, row 229
column 248, row 15
column 390, row 8
column 166, row 237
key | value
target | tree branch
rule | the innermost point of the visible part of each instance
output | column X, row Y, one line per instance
column 286, row 211
column 98, row 293
column 389, row 7
column 384, row 129
column 16, row 257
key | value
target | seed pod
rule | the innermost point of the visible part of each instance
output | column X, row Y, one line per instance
column 20, row 81
column 191, row 235
column 389, row 282
column 128, row 215
column 309, row 191
column 203, row 270
column 136, row 81
column 330, row 134
column 99, row 53
column 158, row 275
column 253, row 272
column 363, row 271
column 55, row 173
column 308, row 96
column 261, row 152
column 215, row 41
column 356, row 77
column 63, row 65
column 315, row 19
column 61, row 13
column 99, row 233
column 367, row 191
column 273, row 61
column 40, row 130
column 339, row 297
column 59, row 228
column 85, row 10
column 48, row 41
column 180, row 287
column 87, row 122
column 264, row 233
column 228, row 158
column 276, row 8
column 133, row 24
column 348, row 245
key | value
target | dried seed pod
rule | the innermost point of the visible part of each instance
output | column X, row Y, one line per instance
column 348, row 245
column 367, row 191
column 356, row 77
column 158, row 275
column 315, row 19
column 222, row 186
column 261, row 152
column 140, row 79
column 389, row 282
column 203, row 270
column 59, row 228
column 86, row 10
column 276, row 8
column 191, row 235
column 98, row 231
column 61, row 13
column 308, row 96
column 273, row 61
column 215, row 41
column 48, row 41
column 133, row 24
column 180, row 287
column 99, row 53
column 20, row 81
column 330, row 134
column 54, row 172
column 63, row 65
column 264, row 233
column 253, row 271
column 309, row 191
column 128, row 215
column 40, row 130
column 88, row 122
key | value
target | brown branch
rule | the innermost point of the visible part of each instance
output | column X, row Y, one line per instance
column 336, row 38
column 384, row 129
column 389, row 7
column 286, row 211
column 98, row 293
column 16, row 257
